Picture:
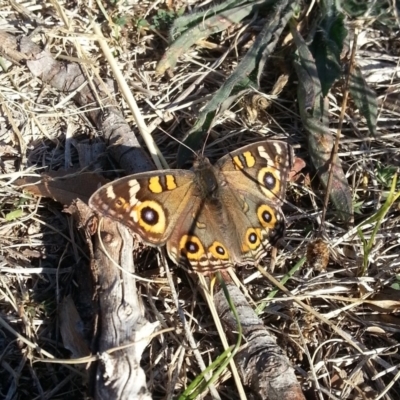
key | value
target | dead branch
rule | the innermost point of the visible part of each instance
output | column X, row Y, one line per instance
column 261, row 362
column 69, row 78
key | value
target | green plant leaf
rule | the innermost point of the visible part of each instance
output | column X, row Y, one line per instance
column 327, row 47
column 313, row 109
column 188, row 21
column 357, row 207
column 213, row 24
column 376, row 220
column 364, row 98
column 245, row 76
column 384, row 174
column 142, row 23
column 13, row 215
column 121, row 21
column 396, row 284
column 355, row 8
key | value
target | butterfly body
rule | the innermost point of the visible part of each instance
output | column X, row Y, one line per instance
column 211, row 217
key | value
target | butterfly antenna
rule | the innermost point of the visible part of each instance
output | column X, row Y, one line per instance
column 205, row 140
column 179, row 141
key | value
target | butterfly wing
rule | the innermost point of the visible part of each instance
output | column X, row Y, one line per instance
column 200, row 238
column 149, row 203
column 255, row 179
column 266, row 165
column 207, row 229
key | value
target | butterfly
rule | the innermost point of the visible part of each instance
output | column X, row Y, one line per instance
column 212, row 216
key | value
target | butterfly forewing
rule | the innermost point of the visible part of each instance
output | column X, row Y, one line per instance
column 148, row 203
column 266, row 165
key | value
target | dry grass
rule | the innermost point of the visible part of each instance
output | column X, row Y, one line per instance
column 353, row 352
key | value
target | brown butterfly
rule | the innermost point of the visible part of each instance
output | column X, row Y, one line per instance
column 212, row 216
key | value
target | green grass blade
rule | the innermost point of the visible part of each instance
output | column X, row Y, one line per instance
column 376, row 219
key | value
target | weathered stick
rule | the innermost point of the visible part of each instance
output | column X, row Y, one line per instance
column 261, row 362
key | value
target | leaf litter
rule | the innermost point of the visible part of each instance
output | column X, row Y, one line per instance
column 355, row 295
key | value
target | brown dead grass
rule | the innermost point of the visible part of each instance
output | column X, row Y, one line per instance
column 40, row 249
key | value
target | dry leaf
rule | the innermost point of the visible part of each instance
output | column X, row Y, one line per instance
column 388, row 299
column 64, row 186
column 298, row 165
column 71, row 328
